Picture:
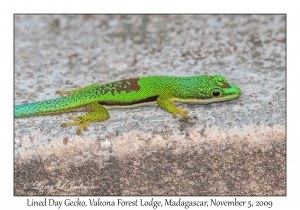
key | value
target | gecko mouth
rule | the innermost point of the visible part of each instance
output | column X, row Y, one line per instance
column 234, row 94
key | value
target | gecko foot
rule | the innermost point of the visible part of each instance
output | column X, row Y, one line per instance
column 82, row 124
column 181, row 111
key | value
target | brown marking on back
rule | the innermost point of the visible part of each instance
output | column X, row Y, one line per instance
column 120, row 103
column 126, row 85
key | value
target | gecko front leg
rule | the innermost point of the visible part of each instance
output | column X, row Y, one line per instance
column 165, row 102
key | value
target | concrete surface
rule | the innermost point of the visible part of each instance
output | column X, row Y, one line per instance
column 231, row 148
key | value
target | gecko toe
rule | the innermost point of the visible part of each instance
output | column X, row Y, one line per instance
column 78, row 132
column 85, row 125
column 74, row 117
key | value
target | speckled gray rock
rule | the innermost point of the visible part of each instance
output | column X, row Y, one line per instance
column 230, row 148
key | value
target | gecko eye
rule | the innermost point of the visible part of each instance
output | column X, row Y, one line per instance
column 215, row 93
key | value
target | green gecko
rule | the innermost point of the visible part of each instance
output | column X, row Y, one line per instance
column 161, row 90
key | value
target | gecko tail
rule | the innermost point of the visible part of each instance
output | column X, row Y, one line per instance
column 40, row 108
column 53, row 106
column 24, row 110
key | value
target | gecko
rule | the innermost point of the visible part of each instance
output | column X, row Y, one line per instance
column 164, row 91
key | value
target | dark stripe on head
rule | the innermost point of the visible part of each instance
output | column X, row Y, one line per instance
column 225, row 85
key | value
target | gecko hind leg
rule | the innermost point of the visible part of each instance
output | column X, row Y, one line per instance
column 96, row 112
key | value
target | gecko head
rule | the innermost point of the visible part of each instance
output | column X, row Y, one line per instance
column 217, row 89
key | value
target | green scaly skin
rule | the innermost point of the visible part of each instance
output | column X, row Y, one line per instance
column 161, row 90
